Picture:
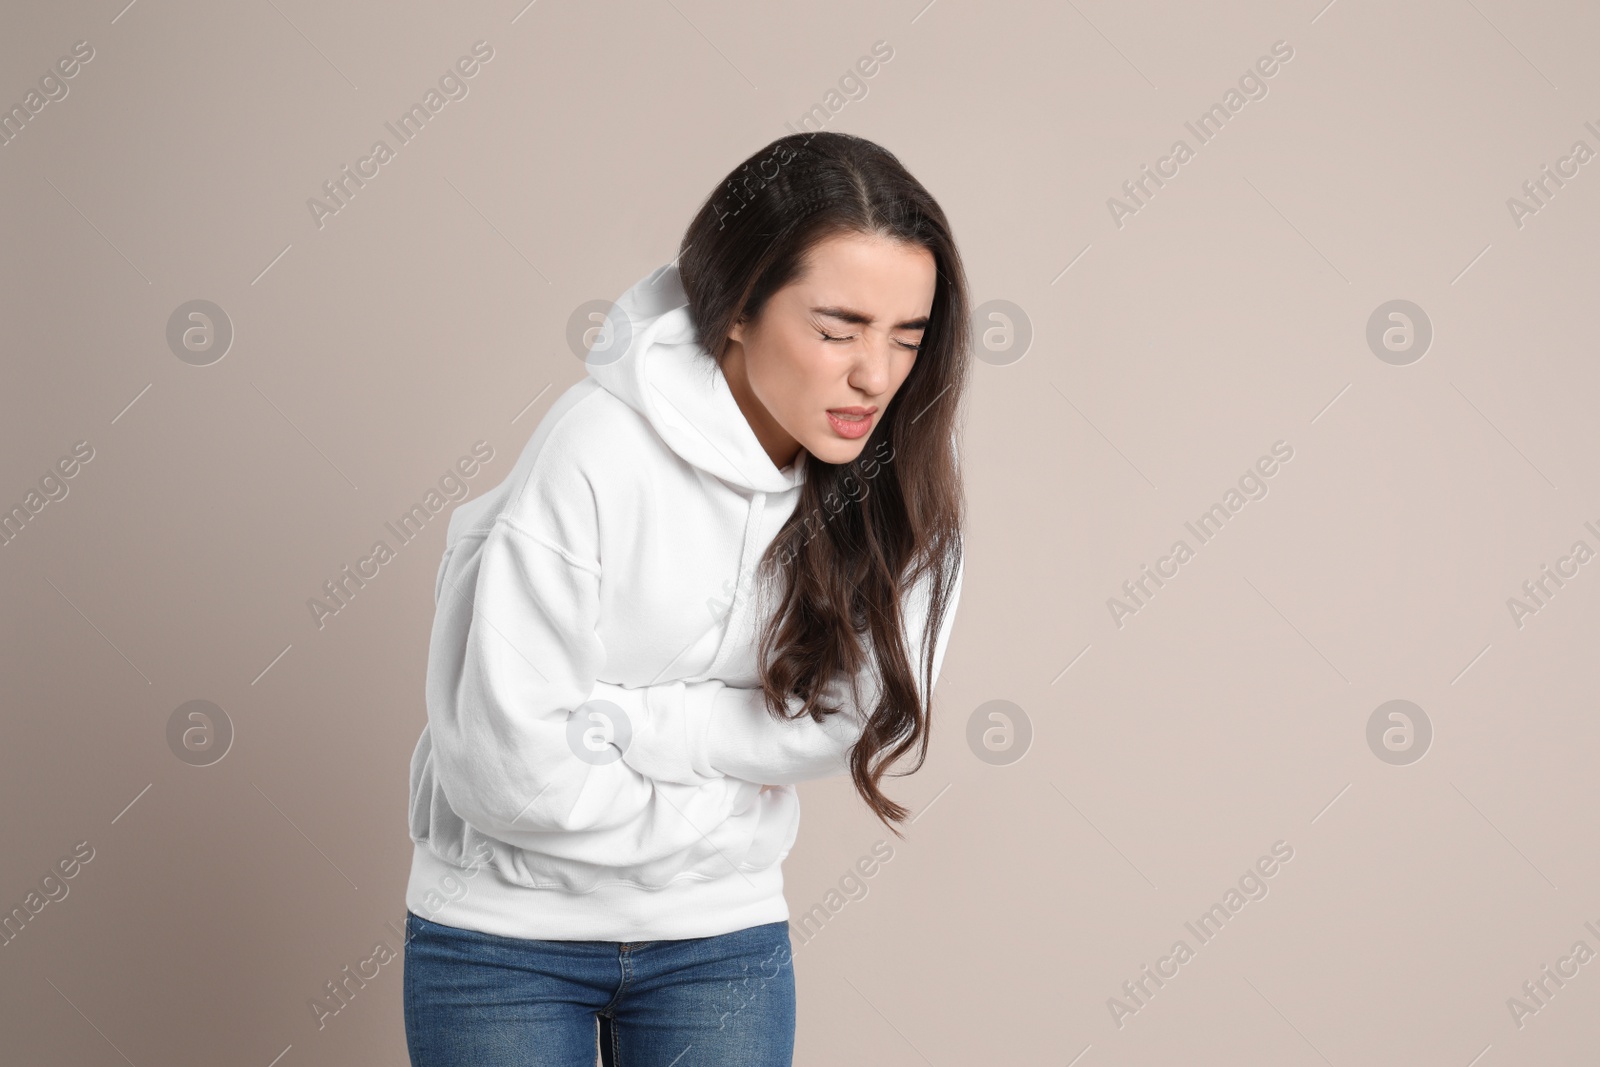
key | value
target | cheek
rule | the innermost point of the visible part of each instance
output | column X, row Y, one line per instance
column 903, row 368
column 791, row 380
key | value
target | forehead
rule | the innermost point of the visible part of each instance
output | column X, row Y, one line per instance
column 877, row 275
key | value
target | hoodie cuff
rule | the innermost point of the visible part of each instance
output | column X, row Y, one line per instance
column 666, row 730
column 699, row 705
column 744, row 740
column 632, row 703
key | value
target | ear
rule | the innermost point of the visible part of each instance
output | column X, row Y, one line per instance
column 736, row 331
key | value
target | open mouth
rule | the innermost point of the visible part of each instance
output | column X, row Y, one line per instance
column 851, row 422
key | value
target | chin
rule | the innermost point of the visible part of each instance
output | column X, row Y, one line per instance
column 835, row 449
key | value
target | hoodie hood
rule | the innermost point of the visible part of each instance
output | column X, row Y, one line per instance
column 656, row 365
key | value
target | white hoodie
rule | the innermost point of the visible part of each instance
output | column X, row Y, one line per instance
column 617, row 563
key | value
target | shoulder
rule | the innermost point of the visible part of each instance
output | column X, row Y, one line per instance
column 589, row 449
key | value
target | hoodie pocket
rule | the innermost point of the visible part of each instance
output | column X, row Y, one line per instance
column 585, row 861
column 707, row 832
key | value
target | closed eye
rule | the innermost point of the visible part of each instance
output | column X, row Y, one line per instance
column 829, row 337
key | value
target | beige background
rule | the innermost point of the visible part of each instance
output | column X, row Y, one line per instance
column 1166, row 755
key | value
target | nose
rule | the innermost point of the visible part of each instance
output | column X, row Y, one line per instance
column 872, row 369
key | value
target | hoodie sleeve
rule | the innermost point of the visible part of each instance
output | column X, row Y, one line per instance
column 513, row 655
column 698, row 730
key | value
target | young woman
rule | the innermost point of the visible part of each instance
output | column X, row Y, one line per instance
column 727, row 561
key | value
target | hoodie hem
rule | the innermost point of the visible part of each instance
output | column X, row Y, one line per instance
column 619, row 911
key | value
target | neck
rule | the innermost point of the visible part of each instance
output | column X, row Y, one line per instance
column 780, row 447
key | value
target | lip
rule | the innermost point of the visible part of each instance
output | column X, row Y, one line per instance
column 858, row 424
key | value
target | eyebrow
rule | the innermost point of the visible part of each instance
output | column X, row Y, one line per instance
column 860, row 318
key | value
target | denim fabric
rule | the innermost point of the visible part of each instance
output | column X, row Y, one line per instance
column 482, row 1000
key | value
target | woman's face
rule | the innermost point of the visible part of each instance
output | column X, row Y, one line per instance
column 819, row 365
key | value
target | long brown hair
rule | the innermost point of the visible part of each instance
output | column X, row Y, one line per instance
column 866, row 531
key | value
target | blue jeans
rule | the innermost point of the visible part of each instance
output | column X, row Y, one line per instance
column 482, row 1000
